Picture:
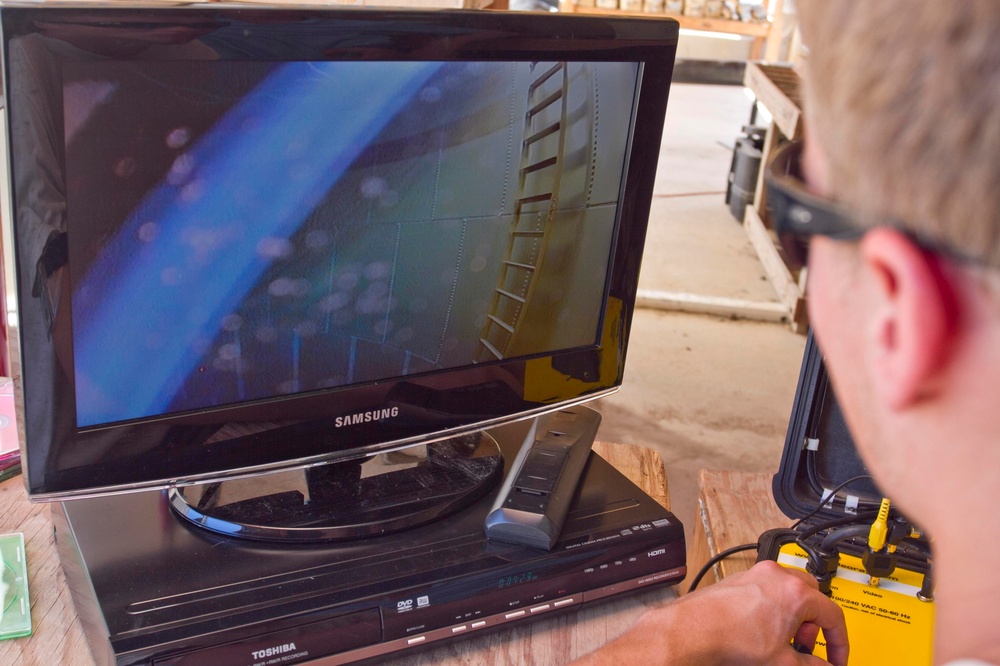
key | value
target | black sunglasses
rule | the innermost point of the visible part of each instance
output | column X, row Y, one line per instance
column 798, row 214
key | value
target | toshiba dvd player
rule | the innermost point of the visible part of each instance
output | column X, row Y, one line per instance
column 152, row 589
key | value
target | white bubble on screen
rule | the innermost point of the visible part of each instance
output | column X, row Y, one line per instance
column 266, row 334
column 273, row 247
column 178, row 137
column 372, row 187
column 171, row 276
column 317, row 239
column 181, row 169
column 148, row 232
column 430, row 94
column 288, row 287
column 232, row 322
column 334, row 302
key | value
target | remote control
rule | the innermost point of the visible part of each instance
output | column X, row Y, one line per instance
column 532, row 504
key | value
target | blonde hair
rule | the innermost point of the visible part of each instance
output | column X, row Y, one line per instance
column 904, row 98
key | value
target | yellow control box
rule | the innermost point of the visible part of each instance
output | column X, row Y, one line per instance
column 887, row 623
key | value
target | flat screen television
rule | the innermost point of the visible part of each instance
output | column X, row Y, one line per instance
column 255, row 240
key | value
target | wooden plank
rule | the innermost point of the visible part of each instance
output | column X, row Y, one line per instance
column 737, row 507
column 731, row 26
column 719, row 306
column 778, row 88
column 698, row 553
column 788, row 289
column 773, row 51
column 771, row 140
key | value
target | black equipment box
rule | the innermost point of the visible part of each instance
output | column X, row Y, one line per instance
column 819, row 451
column 823, row 484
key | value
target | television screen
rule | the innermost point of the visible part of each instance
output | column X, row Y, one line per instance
column 250, row 240
column 377, row 257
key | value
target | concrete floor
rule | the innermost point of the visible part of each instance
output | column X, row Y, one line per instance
column 704, row 391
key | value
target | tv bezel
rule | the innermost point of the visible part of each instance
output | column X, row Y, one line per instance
column 181, row 455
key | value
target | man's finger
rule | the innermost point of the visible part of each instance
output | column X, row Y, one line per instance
column 830, row 618
column 807, row 578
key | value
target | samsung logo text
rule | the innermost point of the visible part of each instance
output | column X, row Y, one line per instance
column 366, row 417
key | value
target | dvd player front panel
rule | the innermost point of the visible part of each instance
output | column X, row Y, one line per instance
column 534, row 580
column 424, row 615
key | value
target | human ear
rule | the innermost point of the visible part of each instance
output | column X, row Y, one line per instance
column 912, row 316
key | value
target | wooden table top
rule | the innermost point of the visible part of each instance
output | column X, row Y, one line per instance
column 735, row 509
column 58, row 637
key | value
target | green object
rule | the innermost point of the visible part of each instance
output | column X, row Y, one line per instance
column 9, row 470
column 15, row 607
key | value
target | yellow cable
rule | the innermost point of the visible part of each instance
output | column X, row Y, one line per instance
column 879, row 532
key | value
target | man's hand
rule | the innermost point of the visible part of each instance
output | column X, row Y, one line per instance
column 748, row 618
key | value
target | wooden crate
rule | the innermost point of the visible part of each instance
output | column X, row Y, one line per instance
column 778, row 89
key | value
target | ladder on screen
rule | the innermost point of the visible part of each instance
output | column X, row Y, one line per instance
column 537, row 200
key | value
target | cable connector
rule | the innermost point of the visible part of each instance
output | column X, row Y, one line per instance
column 880, row 528
column 879, row 564
column 822, row 565
column 879, row 559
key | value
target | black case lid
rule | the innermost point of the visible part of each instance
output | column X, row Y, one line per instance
column 819, row 452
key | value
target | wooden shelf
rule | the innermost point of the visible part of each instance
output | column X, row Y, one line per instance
column 757, row 30
column 689, row 22
column 723, row 25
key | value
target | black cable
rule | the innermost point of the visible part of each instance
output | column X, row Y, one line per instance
column 831, row 540
column 822, row 399
column 818, row 558
column 815, row 418
column 909, row 546
column 753, row 546
column 829, row 499
column 716, row 559
column 817, row 483
column 864, row 517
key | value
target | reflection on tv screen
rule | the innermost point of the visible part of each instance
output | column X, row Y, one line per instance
column 241, row 231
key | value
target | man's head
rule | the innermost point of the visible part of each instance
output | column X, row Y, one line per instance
column 903, row 124
column 904, row 97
